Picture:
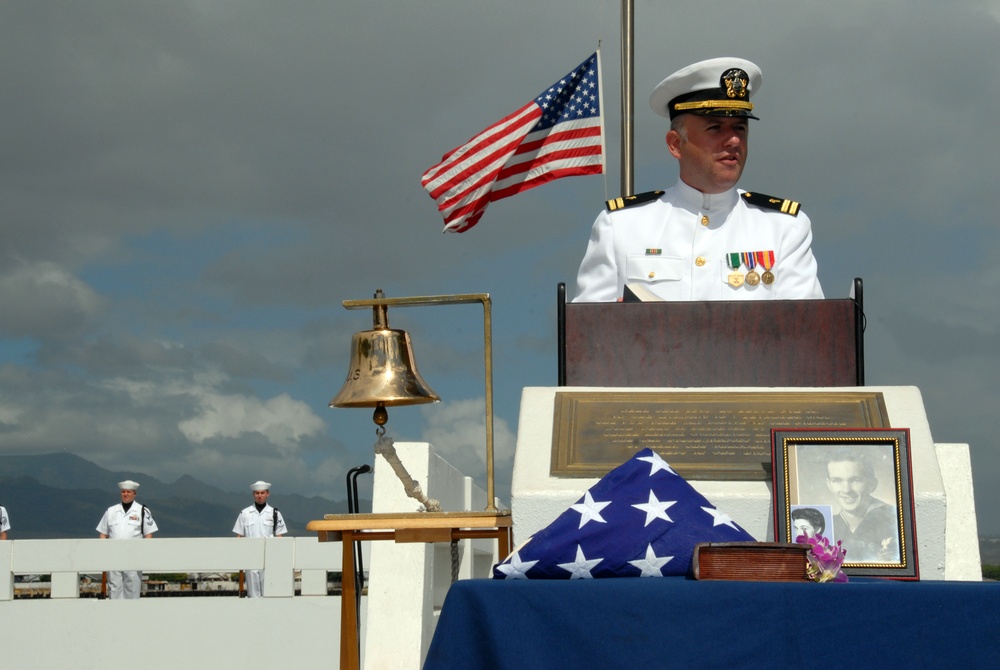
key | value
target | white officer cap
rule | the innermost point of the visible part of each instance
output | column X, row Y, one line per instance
column 260, row 486
column 715, row 87
column 128, row 485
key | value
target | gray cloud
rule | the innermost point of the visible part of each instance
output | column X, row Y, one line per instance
column 188, row 191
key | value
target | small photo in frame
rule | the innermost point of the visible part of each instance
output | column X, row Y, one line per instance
column 850, row 485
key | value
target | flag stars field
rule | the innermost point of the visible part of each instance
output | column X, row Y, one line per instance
column 590, row 510
column 719, row 517
column 651, row 565
column 657, row 463
column 516, row 568
column 629, row 539
column 655, row 509
column 581, row 567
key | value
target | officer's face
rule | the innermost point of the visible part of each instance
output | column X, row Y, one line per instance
column 714, row 152
column 127, row 495
column 849, row 485
column 260, row 497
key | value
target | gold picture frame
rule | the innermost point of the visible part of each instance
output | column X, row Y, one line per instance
column 853, row 486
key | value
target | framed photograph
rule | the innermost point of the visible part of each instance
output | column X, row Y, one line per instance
column 851, row 485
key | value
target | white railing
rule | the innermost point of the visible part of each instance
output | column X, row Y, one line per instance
column 66, row 631
column 406, row 586
column 66, row 560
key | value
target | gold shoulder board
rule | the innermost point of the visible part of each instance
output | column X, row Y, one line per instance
column 770, row 202
column 630, row 200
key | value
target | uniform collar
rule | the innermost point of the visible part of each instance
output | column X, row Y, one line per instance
column 696, row 201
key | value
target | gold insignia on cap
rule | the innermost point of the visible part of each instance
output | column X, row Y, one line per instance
column 735, row 82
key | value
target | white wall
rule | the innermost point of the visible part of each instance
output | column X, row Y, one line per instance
column 171, row 633
column 407, row 586
column 401, row 618
column 191, row 632
column 945, row 516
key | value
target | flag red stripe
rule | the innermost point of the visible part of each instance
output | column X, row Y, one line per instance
column 511, row 130
column 550, row 157
column 530, row 144
column 485, row 165
column 551, row 175
column 560, row 135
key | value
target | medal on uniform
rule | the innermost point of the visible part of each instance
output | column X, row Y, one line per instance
column 735, row 277
column 766, row 261
column 752, row 277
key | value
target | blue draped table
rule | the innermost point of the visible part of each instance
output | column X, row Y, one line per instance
column 678, row 623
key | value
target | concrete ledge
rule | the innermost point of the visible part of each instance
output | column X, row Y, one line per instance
column 537, row 498
column 962, row 559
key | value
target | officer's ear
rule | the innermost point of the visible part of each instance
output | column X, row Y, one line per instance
column 674, row 142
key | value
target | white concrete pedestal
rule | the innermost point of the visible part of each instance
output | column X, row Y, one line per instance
column 947, row 545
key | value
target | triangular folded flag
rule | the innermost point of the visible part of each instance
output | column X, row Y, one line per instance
column 641, row 520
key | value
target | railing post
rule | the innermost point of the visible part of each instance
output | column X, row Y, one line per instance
column 279, row 567
column 65, row 585
column 6, row 570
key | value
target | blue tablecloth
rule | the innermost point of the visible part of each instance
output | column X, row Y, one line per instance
column 676, row 623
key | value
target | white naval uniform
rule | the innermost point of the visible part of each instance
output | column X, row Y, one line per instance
column 118, row 524
column 251, row 523
column 665, row 246
column 4, row 520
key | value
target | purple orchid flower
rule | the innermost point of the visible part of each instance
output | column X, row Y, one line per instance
column 824, row 559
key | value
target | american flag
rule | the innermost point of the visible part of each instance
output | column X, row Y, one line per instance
column 641, row 520
column 558, row 134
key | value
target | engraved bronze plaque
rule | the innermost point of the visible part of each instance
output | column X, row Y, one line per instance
column 702, row 435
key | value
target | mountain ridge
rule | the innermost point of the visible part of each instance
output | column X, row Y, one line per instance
column 62, row 495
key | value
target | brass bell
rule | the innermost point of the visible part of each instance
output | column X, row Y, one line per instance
column 383, row 372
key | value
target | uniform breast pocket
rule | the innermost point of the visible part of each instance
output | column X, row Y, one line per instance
column 662, row 274
column 653, row 269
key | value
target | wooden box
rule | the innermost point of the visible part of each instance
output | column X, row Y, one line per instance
column 750, row 561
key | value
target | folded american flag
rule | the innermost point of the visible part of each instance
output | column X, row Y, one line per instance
column 641, row 520
column 558, row 134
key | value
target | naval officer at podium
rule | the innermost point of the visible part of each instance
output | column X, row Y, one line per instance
column 703, row 239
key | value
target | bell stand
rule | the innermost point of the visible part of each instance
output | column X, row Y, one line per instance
column 466, row 298
column 422, row 526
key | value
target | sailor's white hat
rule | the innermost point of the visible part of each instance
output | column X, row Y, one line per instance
column 715, row 87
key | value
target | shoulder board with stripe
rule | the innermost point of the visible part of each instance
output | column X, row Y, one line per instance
column 630, row 200
column 770, row 202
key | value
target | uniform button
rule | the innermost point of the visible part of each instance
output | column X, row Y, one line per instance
column 652, row 274
column 700, row 261
column 704, row 220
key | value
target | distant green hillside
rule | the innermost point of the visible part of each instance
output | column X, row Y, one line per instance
column 63, row 496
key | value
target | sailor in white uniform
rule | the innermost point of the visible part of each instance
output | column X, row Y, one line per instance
column 4, row 523
column 703, row 239
column 126, row 521
column 259, row 520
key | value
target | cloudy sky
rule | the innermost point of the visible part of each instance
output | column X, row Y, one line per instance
column 190, row 189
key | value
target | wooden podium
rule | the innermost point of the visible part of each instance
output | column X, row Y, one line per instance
column 724, row 343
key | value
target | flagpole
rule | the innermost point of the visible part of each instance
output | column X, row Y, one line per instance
column 628, row 86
